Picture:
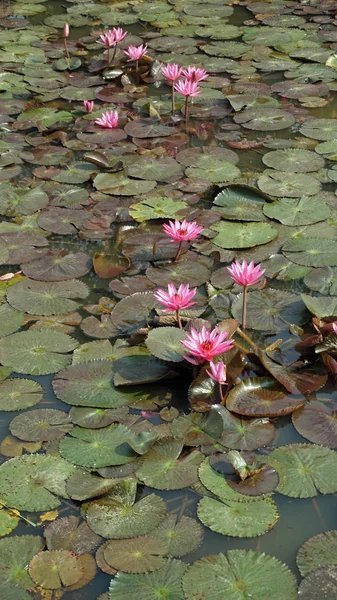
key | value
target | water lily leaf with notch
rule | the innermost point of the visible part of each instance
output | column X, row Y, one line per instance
column 271, row 309
column 156, row 208
column 43, row 424
column 15, row 554
column 37, row 352
column 294, row 160
column 156, row 169
column 317, row 425
column 320, row 306
column 93, row 351
column 202, row 393
column 148, row 129
column 240, row 203
column 240, row 433
column 320, row 129
column 44, row 117
column 265, row 119
column 321, row 581
column 122, row 518
column 101, row 328
column 136, row 555
column 19, row 393
column 94, row 418
column 139, row 368
column 21, row 245
column 90, row 384
column 318, row 551
column 82, row 485
column 165, row 343
column 162, row 469
column 64, row 221
column 264, row 481
column 69, row 534
column 46, row 298
column 57, row 265
column 302, row 381
column 19, row 477
column 304, row 470
column 291, row 185
column 226, row 49
column 293, row 212
column 133, row 312
column 198, row 429
column 8, row 522
column 165, row 582
column 216, row 171
column 21, row 201
column 242, row 572
column 311, row 252
column 242, row 235
column 55, row 569
column 184, row 271
column 97, row 448
column 262, row 397
column 300, row 89
column 323, row 280
column 180, row 537
column 10, row 319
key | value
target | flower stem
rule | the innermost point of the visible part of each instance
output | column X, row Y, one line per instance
column 178, row 319
column 66, row 48
column 173, row 106
column 244, row 308
column 114, row 54
column 186, row 108
column 222, row 399
column 137, row 65
column 109, row 56
column 178, row 251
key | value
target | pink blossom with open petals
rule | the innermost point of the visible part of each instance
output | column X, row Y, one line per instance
column 218, row 372
column 108, row 119
column 135, row 52
column 172, row 72
column 119, row 34
column 187, row 88
column 108, row 39
column 195, row 74
column 206, row 344
column 66, row 30
column 176, row 299
column 88, row 105
column 334, row 325
column 245, row 274
column 181, row 231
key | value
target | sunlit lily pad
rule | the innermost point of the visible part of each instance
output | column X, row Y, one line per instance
column 198, row 429
column 165, row 343
column 180, row 536
column 15, row 554
column 136, row 555
column 57, row 265
column 8, row 522
column 265, row 119
column 271, row 309
column 184, row 271
column 54, row 569
column 293, row 160
column 156, row 208
column 262, row 397
column 41, row 425
column 18, row 478
column 305, row 470
column 258, row 574
column 294, row 212
column 240, row 203
column 318, row 551
column 216, row 172
column 165, row 582
column 320, row 129
column 242, row 235
column 282, row 183
column 162, row 169
column 10, row 319
column 43, row 298
column 240, row 433
column 18, row 394
column 311, row 252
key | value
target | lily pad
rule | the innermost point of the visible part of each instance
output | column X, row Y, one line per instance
column 293, row 160
column 311, row 252
column 305, row 470
column 242, row 235
column 43, row 424
column 318, row 426
column 218, row 171
column 44, row 298
column 166, row 582
column 262, row 397
column 282, row 183
column 179, row 536
column 54, row 569
column 136, row 555
column 165, row 343
column 320, row 129
column 240, row 433
column 69, row 534
column 156, row 208
column 57, row 265
column 265, row 119
column 240, row 203
column 270, row 310
column 18, row 394
column 318, row 551
column 8, row 522
column 10, row 319
column 15, row 554
column 319, row 583
column 118, row 183
column 293, row 212
column 194, row 273
column 156, row 169
column 133, row 312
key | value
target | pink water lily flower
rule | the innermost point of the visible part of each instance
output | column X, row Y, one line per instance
column 172, row 72
column 181, row 231
column 135, row 52
column 88, row 105
column 107, row 39
column 66, row 30
column 187, row 88
column 245, row 274
column 108, row 119
column 176, row 299
column 218, row 372
column 119, row 34
column 205, row 345
column 195, row 74
column 334, row 325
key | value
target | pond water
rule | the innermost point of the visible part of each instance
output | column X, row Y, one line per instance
column 117, row 457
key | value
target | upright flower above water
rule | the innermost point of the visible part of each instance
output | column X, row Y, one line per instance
column 205, row 345
column 108, row 119
column 172, row 73
column 181, row 231
column 195, row 74
column 111, row 38
column 88, row 105
column 176, row 299
column 218, row 372
column 136, row 53
column 119, row 34
column 245, row 274
column 188, row 89
column 66, row 31
column 107, row 39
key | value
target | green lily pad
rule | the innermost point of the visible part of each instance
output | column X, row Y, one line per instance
column 164, row 470
column 81, row 485
column 133, row 312
column 321, row 581
column 240, row 203
column 255, row 574
column 10, row 319
column 136, row 555
column 44, row 116
column 240, row 433
column 156, row 208
column 165, row 583
column 216, row 172
column 197, row 429
column 15, row 554
column 320, row 129
column 323, row 280
column 118, row 183
column 43, row 424
column 311, row 252
column 242, row 235
column 318, row 426
column 97, row 448
column 165, row 343
column 21, row 201
column 8, row 522
column 265, row 119
column 69, row 534
column 270, row 310
column 18, row 478
column 262, row 397
column 320, row 306
column 18, row 394
column 57, row 265
column 304, row 470
column 155, row 169
column 293, row 160
column 44, row 298
column 318, row 551
column 179, row 536
column 282, row 183
column 294, row 212
column 194, row 273
column 54, row 569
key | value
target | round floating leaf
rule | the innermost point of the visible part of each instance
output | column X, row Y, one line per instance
column 101, row 328
column 270, row 309
column 318, row 426
column 136, row 555
column 240, row 203
column 282, row 183
column 43, row 298
column 132, row 312
column 10, row 320
column 54, row 569
column 118, row 183
column 90, row 384
column 311, row 252
column 263, row 481
column 265, row 119
column 185, row 271
column 294, row 160
column 68, row 534
column 37, row 352
column 238, row 519
column 318, row 551
column 242, row 235
column 94, row 418
column 162, row 469
column 120, row 520
column 197, row 429
column 57, row 265
column 165, row 343
column 8, row 522
column 320, row 306
column 179, row 537
column 321, row 583
column 19, row 477
column 146, row 129
column 97, row 448
column 43, row 424
column 15, row 554
column 323, row 280
column 21, row 201
column 293, row 212
column 305, row 470
column 156, row 208
column 320, row 129
column 255, row 574
column 240, row 433
column 216, row 172
column 164, row 583
column 157, row 169
column 262, row 397
column 81, row 485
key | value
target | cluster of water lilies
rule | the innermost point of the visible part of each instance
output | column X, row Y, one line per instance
column 187, row 87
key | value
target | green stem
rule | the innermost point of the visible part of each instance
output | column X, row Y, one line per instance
column 114, row 54
column 244, row 308
column 173, row 106
column 178, row 319
column 186, row 108
column 247, row 339
column 108, row 56
column 137, row 66
column 178, row 251
column 66, row 48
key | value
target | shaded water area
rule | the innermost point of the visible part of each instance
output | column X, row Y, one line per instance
column 133, row 471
